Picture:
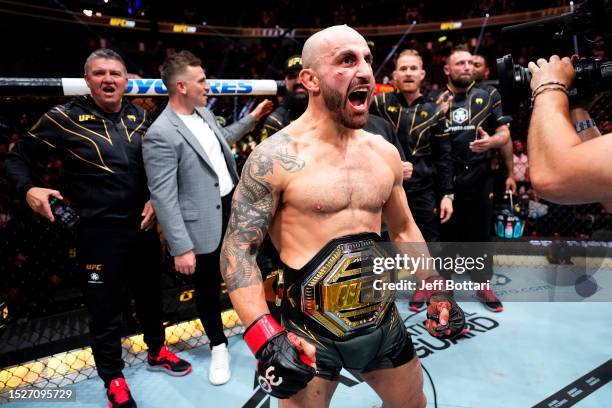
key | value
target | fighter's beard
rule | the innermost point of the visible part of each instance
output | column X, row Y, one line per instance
column 336, row 104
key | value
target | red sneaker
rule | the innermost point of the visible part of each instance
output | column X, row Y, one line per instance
column 491, row 302
column 118, row 394
column 417, row 301
column 169, row 362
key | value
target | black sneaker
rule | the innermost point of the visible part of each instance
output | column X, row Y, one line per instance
column 118, row 394
column 491, row 302
column 169, row 362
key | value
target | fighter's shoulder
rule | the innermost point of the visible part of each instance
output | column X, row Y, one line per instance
column 274, row 158
column 379, row 144
column 278, row 142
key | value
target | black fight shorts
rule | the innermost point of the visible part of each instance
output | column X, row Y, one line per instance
column 388, row 346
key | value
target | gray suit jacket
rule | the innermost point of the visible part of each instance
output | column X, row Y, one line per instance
column 184, row 187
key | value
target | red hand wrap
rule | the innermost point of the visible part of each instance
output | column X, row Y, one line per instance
column 258, row 333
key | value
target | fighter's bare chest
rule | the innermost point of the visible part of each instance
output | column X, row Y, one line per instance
column 359, row 182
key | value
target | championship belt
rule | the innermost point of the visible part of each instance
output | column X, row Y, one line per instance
column 335, row 289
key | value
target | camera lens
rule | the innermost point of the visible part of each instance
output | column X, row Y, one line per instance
column 513, row 83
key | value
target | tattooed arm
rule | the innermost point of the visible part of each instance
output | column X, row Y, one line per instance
column 253, row 206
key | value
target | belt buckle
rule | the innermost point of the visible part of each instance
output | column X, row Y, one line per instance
column 339, row 293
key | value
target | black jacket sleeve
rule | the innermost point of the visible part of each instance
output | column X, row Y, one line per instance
column 28, row 159
column 441, row 151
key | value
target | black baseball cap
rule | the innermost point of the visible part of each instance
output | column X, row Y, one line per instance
column 293, row 65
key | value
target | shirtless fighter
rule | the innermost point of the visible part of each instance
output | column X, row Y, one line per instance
column 321, row 188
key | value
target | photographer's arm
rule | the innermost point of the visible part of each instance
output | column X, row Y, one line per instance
column 579, row 114
column 563, row 168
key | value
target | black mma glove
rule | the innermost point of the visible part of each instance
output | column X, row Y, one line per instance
column 438, row 299
column 282, row 368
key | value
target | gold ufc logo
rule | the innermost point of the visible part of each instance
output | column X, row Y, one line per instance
column 392, row 109
column 294, row 61
column 83, row 118
column 93, row 267
column 424, row 114
column 348, row 295
column 186, row 296
column 479, row 101
column 132, row 118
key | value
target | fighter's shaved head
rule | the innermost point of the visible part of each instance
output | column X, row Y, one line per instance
column 314, row 47
column 338, row 76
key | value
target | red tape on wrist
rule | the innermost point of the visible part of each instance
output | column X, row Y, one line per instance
column 258, row 333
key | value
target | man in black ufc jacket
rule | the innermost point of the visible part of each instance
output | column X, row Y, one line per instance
column 476, row 125
column 98, row 138
column 420, row 126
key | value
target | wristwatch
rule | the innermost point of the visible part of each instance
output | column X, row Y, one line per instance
column 449, row 196
column 584, row 125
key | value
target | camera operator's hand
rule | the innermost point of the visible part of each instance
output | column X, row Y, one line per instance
column 553, row 70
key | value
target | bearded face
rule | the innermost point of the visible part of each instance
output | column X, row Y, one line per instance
column 347, row 107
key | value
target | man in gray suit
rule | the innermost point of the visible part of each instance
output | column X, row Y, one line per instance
column 191, row 174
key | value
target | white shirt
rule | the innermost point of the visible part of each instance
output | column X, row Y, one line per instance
column 212, row 148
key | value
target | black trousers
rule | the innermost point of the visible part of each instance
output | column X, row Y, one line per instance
column 116, row 257
column 424, row 211
column 472, row 212
column 207, row 282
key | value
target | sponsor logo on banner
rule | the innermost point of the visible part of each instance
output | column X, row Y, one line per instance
column 231, row 86
column 145, row 86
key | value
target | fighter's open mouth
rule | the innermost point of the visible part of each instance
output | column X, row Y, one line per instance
column 358, row 97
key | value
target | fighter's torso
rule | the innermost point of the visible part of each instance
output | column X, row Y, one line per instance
column 339, row 190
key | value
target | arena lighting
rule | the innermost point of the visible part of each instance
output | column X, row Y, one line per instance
column 87, row 12
column 442, row 39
